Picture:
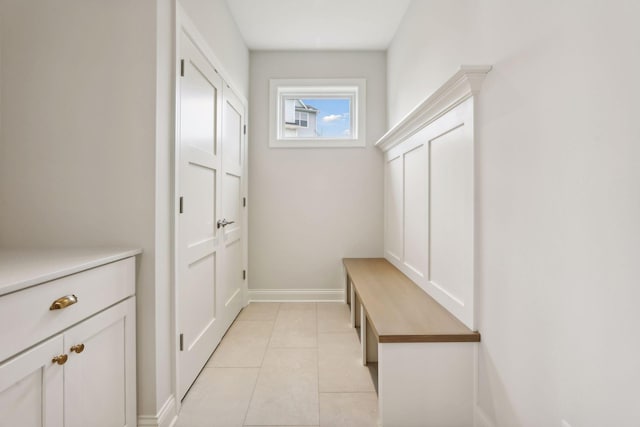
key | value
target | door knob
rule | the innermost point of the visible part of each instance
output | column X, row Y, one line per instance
column 78, row 348
column 223, row 222
column 60, row 360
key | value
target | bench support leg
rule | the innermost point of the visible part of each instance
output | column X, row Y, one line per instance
column 352, row 293
column 363, row 334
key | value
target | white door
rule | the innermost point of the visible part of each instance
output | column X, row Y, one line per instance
column 199, row 241
column 31, row 387
column 99, row 377
column 230, row 294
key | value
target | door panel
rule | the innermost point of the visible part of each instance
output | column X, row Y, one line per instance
column 200, row 206
column 201, row 295
column 198, row 102
column 232, row 207
column 99, row 380
column 233, row 153
column 199, row 251
column 232, row 133
column 31, row 387
column 233, row 255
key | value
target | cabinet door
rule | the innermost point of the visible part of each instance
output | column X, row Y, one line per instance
column 99, row 382
column 31, row 387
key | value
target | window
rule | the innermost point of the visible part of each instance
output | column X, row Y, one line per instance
column 317, row 113
column 302, row 119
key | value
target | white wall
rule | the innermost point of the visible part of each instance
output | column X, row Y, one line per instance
column 309, row 208
column 85, row 157
column 76, row 92
column 559, row 197
column 217, row 26
column 78, row 146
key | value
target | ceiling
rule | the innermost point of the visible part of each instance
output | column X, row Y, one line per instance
column 318, row 24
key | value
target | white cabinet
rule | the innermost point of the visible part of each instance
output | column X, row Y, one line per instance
column 82, row 374
column 31, row 387
column 99, row 382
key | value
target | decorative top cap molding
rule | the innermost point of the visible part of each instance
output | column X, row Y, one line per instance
column 465, row 83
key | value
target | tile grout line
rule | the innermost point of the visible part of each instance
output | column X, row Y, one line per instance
column 230, row 336
column 348, row 392
column 255, row 385
column 294, row 348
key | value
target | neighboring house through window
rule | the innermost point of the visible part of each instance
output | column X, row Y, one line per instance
column 317, row 113
column 300, row 119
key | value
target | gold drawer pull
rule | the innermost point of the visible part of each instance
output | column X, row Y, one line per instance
column 60, row 360
column 78, row 348
column 64, row 302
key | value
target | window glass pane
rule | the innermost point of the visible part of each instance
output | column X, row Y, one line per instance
column 317, row 117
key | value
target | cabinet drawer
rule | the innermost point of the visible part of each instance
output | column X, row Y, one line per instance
column 27, row 319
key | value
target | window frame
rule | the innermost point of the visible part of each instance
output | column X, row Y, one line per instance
column 281, row 89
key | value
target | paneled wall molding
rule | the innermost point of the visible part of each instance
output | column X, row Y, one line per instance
column 430, row 194
column 465, row 83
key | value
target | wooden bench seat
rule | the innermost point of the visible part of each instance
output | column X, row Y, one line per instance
column 399, row 311
column 425, row 355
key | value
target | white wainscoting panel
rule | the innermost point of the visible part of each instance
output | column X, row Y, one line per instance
column 394, row 208
column 430, row 193
column 415, row 210
column 451, row 213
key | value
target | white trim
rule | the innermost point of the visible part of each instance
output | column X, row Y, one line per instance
column 299, row 295
column 354, row 89
column 463, row 84
column 166, row 417
column 480, row 418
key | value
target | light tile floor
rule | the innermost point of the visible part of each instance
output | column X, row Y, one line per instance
column 285, row 364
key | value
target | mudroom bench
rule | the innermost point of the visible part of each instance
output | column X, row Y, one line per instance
column 425, row 355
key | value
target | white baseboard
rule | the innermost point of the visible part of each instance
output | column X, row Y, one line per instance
column 166, row 417
column 481, row 418
column 299, row 295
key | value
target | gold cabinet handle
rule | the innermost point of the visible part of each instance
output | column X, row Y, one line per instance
column 64, row 302
column 78, row 348
column 60, row 360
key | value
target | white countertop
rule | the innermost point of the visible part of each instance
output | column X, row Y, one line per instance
column 22, row 268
